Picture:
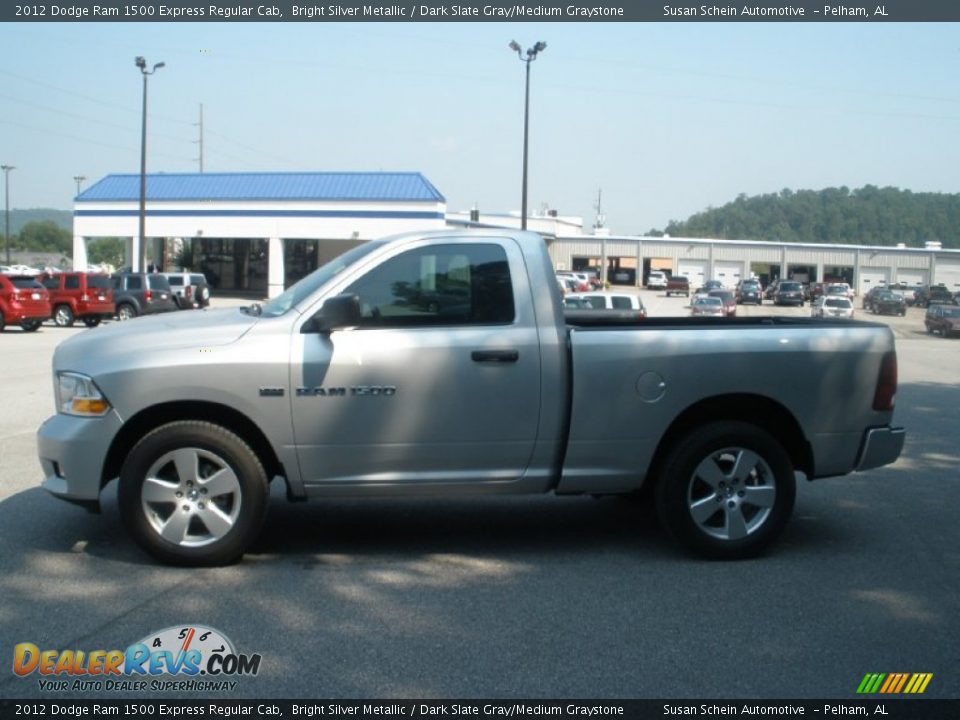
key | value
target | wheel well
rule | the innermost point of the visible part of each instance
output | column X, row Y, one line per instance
column 153, row 417
column 767, row 414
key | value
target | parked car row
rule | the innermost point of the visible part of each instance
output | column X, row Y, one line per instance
column 68, row 297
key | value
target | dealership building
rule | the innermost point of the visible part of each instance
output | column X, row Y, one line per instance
column 253, row 232
column 257, row 233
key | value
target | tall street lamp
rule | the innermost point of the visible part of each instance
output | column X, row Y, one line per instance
column 142, row 254
column 6, row 181
column 531, row 56
column 79, row 179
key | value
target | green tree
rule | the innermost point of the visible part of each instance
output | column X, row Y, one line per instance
column 106, row 250
column 43, row 236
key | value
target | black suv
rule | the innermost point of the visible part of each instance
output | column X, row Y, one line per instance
column 749, row 291
column 141, row 294
column 789, row 292
column 934, row 295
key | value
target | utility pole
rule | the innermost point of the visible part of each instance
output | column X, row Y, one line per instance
column 598, row 230
column 6, row 176
column 200, row 140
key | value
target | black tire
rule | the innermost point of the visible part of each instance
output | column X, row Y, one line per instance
column 203, row 296
column 31, row 325
column 126, row 311
column 63, row 316
column 3, row 321
column 92, row 321
column 210, row 501
column 759, row 496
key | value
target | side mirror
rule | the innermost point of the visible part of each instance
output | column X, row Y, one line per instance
column 336, row 313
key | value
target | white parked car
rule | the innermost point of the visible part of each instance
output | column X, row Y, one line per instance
column 832, row 306
column 657, row 280
column 610, row 301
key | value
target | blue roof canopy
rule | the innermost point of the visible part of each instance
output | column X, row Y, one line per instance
column 335, row 186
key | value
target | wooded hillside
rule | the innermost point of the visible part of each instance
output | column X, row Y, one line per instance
column 866, row 216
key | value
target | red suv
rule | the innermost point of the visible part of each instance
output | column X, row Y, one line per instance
column 23, row 300
column 79, row 296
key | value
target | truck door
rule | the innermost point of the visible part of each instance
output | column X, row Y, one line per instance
column 440, row 384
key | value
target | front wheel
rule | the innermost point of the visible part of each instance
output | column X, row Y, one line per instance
column 726, row 490
column 126, row 312
column 31, row 325
column 193, row 493
column 92, row 321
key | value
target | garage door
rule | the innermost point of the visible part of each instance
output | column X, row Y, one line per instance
column 948, row 273
column 912, row 277
column 728, row 272
column 693, row 270
column 871, row 277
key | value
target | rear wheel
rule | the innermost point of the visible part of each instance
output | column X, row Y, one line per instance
column 726, row 490
column 3, row 321
column 31, row 325
column 193, row 493
column 92, row 321
column 63, row 316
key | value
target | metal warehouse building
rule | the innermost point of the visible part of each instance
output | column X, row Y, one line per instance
column 254, row 232
column 630, row 259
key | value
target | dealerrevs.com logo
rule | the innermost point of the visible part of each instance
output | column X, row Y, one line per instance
column 180, row 658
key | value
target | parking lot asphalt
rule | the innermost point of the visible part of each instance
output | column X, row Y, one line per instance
column 533, row 597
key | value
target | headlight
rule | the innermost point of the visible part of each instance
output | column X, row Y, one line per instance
column 78, row 395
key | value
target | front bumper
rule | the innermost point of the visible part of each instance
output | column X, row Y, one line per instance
column 881, row 446
column 72, row 451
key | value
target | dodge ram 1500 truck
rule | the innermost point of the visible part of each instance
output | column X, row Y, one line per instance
column 444, row 363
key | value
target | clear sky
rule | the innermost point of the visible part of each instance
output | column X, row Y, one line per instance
column 666, row 119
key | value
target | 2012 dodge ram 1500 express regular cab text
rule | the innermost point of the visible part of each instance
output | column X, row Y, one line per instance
column 443, row 363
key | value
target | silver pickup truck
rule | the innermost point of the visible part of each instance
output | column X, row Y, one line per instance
column 444, row 363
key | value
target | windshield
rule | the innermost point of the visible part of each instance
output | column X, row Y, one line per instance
column 838, row 303
column 790, row 286
column 951, row 312
column 303, row 289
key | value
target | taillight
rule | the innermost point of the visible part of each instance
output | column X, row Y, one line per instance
column 188, row 292
column 886, row 383
column 148, row 295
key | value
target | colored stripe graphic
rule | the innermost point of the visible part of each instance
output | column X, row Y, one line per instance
column 870, row 683
column 894, row 683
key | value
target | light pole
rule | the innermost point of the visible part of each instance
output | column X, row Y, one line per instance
column 79, row 179
column 531, row 56
column 142, row 253
column 6, row 181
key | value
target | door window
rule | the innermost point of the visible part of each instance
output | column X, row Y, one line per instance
column 457, row 284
